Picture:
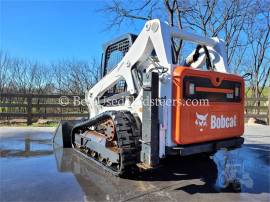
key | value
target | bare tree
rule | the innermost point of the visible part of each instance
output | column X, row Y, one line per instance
column 19, row 75
column 121, row 11
column 72, row 76
column 23, row 73
column 23, row 76
column 4, row 76
column 210, row 17
column 227, row 19
column 258, row 32
column 129, row 11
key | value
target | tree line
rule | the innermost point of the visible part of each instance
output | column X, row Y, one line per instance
column 68, row 76
column 243, row 24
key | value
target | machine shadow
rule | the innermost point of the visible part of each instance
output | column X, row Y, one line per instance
column 196, row 167
column 257, row 160
column 256, row 164
column 184, row 168
column 180, row 168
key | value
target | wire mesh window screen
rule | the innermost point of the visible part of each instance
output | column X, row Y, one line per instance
column 114, row 55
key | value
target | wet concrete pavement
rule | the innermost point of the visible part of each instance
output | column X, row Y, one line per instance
column 31, row 170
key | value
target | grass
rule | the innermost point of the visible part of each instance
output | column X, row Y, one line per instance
column 45, row 125
column 33, row 125
column 264, row 93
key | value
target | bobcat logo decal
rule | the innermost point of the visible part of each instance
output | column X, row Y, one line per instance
column 201, row 120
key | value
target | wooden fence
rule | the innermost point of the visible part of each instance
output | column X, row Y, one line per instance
column 258, row 108
column 34, row 106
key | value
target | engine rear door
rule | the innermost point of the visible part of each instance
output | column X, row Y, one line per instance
column 207, row 106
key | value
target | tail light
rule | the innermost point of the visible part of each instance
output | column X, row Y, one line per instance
column 237, row 91
column 203, row 88
column 191, row 88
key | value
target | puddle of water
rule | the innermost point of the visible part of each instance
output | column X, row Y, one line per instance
column 32, row 171
column 242, row 168
column 37, row 179
column 26, row 146
column 98, row 185
column 29, row 172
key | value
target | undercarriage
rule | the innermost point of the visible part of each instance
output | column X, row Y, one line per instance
column 111, row 139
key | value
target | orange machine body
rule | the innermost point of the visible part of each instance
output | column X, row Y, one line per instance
column 207, row 106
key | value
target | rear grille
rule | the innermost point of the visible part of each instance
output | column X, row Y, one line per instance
column 204, row 89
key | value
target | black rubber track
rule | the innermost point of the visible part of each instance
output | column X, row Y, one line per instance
column 127, row 136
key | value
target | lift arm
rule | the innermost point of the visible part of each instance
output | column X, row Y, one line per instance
column 154, row 36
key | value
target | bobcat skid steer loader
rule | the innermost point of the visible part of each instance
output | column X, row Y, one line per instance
column 145, row 107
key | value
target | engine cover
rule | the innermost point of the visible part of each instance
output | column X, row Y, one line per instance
column 207, row 106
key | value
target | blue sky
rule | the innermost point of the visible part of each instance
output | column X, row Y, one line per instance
column 47, row 31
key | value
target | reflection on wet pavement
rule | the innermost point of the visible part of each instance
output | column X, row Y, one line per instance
column 32, row 170
column 29, row 149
